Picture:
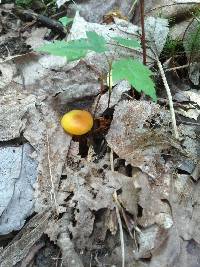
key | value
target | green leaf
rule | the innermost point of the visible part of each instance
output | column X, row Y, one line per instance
column 73, row 50
column 131, row 43
column 137, row 74
column 76, row 49
column 65, row 20
column 96, row 42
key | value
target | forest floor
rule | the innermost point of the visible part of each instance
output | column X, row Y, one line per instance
column 127, row 192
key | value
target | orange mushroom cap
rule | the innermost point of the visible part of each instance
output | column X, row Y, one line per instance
column 77, row 122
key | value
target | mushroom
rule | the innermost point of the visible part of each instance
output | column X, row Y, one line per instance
column 77, row 122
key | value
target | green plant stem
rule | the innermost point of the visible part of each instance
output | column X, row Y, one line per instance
column 110, row 83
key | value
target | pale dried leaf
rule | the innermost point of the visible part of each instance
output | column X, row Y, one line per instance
column 191, row 113
column 14, row 106
column 61, row 2
column 17, row 178
column 167, row 253
column 190, row 141
column 7, row 71
column 132, row 138
column 51, row 143
column 157, row 30
column 151, row 196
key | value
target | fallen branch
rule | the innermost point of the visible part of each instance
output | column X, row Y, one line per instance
column 29, row 15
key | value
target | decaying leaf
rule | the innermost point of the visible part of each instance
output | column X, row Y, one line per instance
column 152, row 200
column 58, row 232
column 167, row 253
column 189, row 111
column 17, row 178
column 189, row 95
column 132, row 138
column 189, row 254
column 37, row 74
column 191, row 106
column 7, row 72
column 51, row 144
column 14, row 106
column 91, row 189
column 157, row 30
column 190, row 141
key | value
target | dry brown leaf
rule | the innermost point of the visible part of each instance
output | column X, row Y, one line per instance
column 14, row 107
column 132, row 137
column 151, row 199
column 51, row 143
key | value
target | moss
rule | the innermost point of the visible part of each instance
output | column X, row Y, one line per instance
column 172, row 47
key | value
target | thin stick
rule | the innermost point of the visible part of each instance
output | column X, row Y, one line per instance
column 169, row 95
column 111, row 160
column 120, row 229
column 132, row 7
column 143, row 39
column 177, row 68
column 53, row 194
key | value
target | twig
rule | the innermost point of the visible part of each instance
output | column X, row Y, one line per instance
column 58, row 258
column 171, row 107
column 177, row 68
column 186, row 29
column 126, row 221
column 133, row 236
column 120, row 229
column 52, row 192
column 48, row 22
column 143, row 39
column 132, row 7
column 135, row 240
column 111, row 160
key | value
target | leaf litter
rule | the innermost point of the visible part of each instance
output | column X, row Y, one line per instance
column 73, row 194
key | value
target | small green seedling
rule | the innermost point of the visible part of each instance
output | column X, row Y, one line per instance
column 65, row 21
column 137, row 74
